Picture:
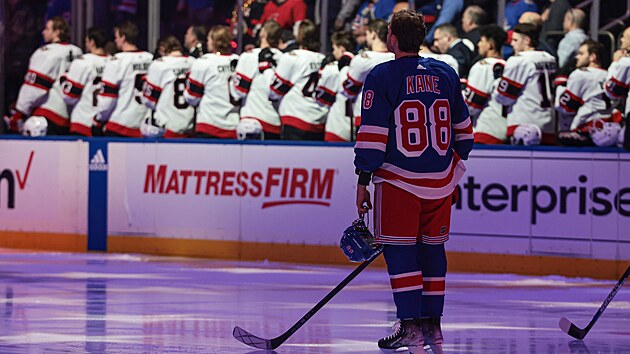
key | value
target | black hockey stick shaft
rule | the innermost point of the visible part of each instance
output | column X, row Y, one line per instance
column 578, row 333
column 274, row 343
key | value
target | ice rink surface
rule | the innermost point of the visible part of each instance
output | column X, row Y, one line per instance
column 113, row 303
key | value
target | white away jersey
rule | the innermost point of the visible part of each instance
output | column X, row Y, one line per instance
column 80, row 89
column 340, row 119
column 618, row 81
column 40, row 95
column 164, row 93
column 207, row 88
column 584, row 99
column 359, row 68
column 252, row 87
column 489, row 124
column 119, row 102
column 295, row 82
column 447, row 58
column 526, row 88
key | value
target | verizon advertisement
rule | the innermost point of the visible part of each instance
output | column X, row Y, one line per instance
column 43, row 186
column 255, row 193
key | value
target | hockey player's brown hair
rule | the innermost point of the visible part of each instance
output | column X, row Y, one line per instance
column 379, row 27
column 59, row 24
column 307, row 36
column 530, row 31
column 171, row 44
column 221, row 38
column 594, row 47
column 129, row 30
column 409, row 28
column 344, row 39
column 273, row 30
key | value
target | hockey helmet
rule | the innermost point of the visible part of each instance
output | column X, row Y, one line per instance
column 357, row 242
column 605, row 133
column 35, row 126
column 526, row 134
column 150, row 128
column 249, row 129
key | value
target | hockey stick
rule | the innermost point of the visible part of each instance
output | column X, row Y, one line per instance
column 269, row 344
column 575, row 332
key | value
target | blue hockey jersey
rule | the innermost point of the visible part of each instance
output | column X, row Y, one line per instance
column 415, row 127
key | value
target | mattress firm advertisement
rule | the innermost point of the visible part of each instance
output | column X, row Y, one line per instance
column 512, row 201
column 255, row 193
column 43, row 186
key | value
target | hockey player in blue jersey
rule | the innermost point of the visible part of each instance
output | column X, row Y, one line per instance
column 415, row 132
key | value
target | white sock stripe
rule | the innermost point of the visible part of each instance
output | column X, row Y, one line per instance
column 404, row 275
column 434, row 278
column 409, row 288
column 433, row 293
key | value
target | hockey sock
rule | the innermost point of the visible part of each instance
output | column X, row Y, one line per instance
column 432, row 261
column 405, row 278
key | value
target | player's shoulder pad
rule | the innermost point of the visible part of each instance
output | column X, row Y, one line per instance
column 292, row 53
column 160, row 59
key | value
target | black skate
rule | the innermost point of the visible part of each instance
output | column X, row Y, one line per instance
column 432, row 332
column 406, row 333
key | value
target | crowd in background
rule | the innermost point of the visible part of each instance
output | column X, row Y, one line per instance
column 281, row 87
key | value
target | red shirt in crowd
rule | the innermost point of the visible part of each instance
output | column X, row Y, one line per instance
column 285, row 12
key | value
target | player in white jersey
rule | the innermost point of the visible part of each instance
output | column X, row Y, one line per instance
column 295, row 82
column 253, row 75
column 618, row 83
column 583, row 102
column 40, row 94
column 526, row 88
column 447, row 58
column 363, row 62
column 490, row 127
column 83, row 82
column 164, row 91
column 340, row 120
column 119, row 101
column 207, row 87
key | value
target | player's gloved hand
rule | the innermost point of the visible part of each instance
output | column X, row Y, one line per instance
column 15, row 122
column 345, row 60
column 266, row 60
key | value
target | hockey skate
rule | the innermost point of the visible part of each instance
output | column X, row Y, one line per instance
column 406, row 333
column 432, row 332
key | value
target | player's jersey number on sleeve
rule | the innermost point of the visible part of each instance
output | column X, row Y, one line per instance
column 417, row 127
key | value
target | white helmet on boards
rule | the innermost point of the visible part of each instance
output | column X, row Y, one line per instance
column 605, row 133
column 150, row 128
column 249, row 129
column 526, row 134
column 35, row 127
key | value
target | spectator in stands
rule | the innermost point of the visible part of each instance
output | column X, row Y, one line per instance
column 348, row 8
column 553, row 18
column 287, row 13
column 514, row 9
column 440, row 12
column 193, row 41
column 448, row 42
column 472, row 19
column 574, row 35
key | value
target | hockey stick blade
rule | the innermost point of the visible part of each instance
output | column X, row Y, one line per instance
column 574, row 331
column 270, row 344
